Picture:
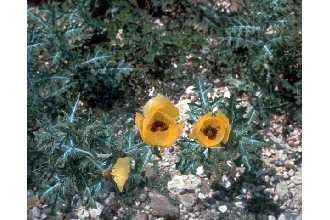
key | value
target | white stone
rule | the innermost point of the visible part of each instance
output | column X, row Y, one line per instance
column 239, row 205
column 35, row 212
column 270, row 217
column 94, row 213
column 43, row 216
column 200, row 171
column 226, row 181
column 222, row 208
column 202, row 196
column 182, row 183
column 190, row 90
column 226, row 93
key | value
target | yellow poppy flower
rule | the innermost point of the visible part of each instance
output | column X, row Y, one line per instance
column 158, row 125
column 211, row 130
column 119, row 172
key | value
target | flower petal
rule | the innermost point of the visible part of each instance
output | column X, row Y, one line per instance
column 161, row 138
column 219, row 122
column 139, row 121
column 161, row 104
column 121, row 171
column 225, row 121
column 226, row 137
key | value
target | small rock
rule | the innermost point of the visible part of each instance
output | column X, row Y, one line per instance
column 296, row 179
column 222, row 208
column 161, row 206
column 142, row 197
column 285, row 175
column 291, row 185
column 35, row 212
column 270, row 217
column 282, row 190
column 288, row 216
column 202, row 196
column 94, row 213
column 183, row 183
column 165, row 164
column 190, row 90
column 291, row 172
column 226, row 182
column 282, row 155
column 279, row 163
column 269, row 190
column 239, row 205
column 141, row 216
column 226, row 93
column 267, row 178
column 43, row 216
column 188, row 200
column 200, row 171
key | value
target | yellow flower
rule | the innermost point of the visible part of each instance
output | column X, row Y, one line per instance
column 211, row 130
column 119, row 172
column 158, row 125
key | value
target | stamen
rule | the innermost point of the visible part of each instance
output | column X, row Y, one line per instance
column 159, row 126
column 210, row 132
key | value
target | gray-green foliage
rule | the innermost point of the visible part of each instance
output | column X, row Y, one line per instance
column 69, row 143
column 260, row 51
column 82, row 53
column 74, row 152
column 244, row 142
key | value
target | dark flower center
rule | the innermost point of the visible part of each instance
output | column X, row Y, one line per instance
column 210, row 132
column 159, row 126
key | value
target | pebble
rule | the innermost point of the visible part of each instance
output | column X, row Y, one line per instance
column 289, row 216
column 200, row 171
column 282, row 190
column 202, row 195
column 239, row 205
column 188, row 200
column 226, row 182
column 270, row 217
column 183, row 183
column 222, row 208
column 43, row 216
column 94, row 213
column 35, row 212
column 141, row 216
column 291, row 172
column 190, row 90
column 296, row 179
column 285, row 175
column 291, row 185
column 162, row 206
column 142, row 197
column 267, row 178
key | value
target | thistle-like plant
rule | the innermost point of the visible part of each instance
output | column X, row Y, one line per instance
column 76, row 151
column 240, row 144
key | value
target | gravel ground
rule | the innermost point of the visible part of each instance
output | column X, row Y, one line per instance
column 275, row 194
